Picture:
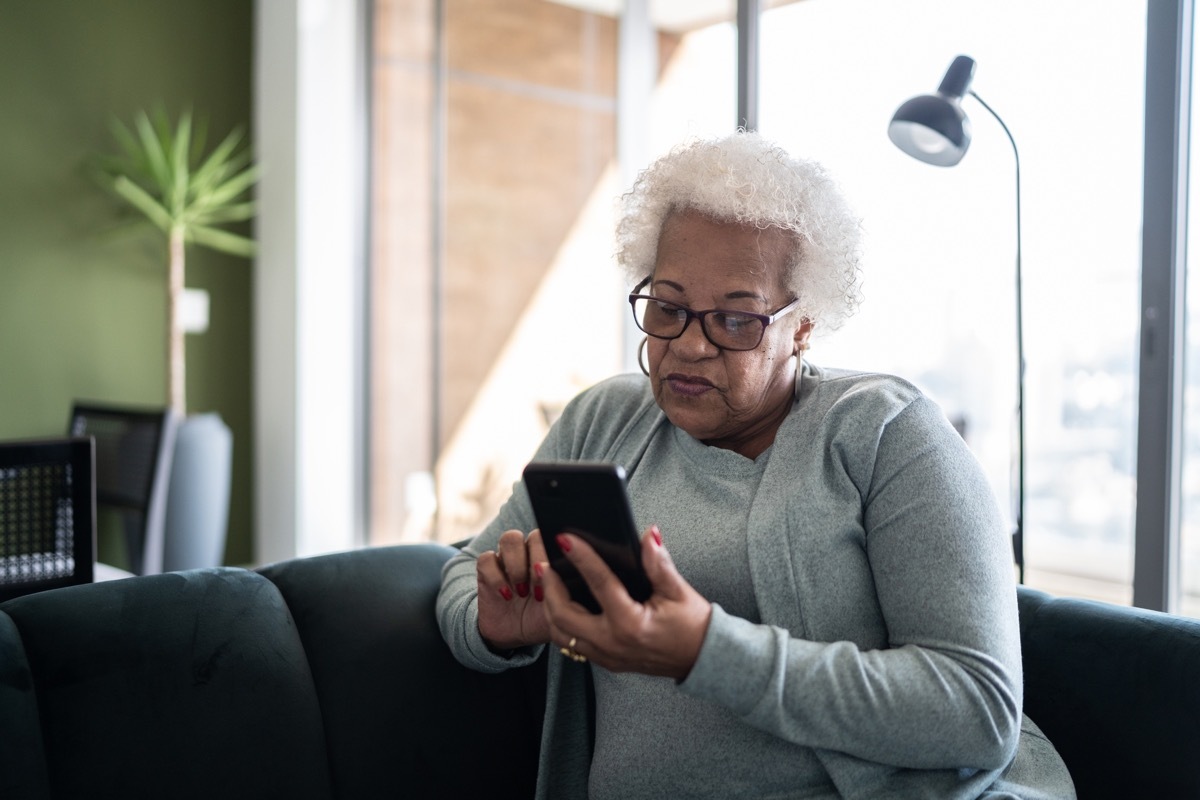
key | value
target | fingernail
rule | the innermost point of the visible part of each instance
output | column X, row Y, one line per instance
column 563, row 542
column 657, row 534
column 537, row 593
column 522, row 589
column 538, row 569
column 506, row 592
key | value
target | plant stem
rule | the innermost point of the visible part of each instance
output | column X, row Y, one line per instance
column 176, row 384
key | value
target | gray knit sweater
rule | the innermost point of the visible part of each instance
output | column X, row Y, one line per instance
column 888, row 643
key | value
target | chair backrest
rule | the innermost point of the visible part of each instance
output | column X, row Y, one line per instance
column 134, row 448
column 47, row 514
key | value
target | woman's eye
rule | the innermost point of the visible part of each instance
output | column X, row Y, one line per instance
column 666, row 310
column 731, row 323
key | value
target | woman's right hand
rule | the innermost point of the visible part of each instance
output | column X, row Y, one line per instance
column 511, row 613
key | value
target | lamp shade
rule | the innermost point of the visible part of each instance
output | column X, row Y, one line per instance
column 933, row 127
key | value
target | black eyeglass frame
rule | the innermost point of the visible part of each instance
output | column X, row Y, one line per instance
column 765, row 319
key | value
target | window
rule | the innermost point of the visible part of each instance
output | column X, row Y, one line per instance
column 939, row 284
column 497, row 130
column 494, row 294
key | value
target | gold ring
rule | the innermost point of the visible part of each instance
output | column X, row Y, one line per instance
column 569, row 651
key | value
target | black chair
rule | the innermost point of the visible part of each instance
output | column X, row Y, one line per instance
column 134, row 448
column 47, row 515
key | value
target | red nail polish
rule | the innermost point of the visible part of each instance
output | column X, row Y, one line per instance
column 506, row 592
column 538, row 569
column 537, row 593
column 657, row 534
column 522, row 589
column 563, row 542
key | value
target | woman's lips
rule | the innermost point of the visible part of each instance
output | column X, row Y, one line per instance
column 689, row 385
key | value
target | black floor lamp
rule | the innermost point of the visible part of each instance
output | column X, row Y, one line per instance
column 933, row 128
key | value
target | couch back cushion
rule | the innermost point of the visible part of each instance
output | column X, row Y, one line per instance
column 23, row 771
column 403, row 718
column 176, row 685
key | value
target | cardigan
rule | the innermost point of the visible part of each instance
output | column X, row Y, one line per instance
column 889, row 639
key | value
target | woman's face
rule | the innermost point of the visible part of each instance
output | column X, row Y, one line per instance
column 724, row 398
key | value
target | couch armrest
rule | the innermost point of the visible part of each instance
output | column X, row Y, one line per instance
column 1117, row 690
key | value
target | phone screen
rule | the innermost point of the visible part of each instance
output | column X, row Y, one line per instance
column 589, row 500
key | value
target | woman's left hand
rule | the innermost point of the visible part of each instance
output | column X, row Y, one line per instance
column 661, row 636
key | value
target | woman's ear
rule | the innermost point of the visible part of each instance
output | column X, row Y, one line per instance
column 800, row 340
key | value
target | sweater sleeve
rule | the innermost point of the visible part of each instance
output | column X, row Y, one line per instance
column 458, row 599
column 591, row 427
column 941, row 688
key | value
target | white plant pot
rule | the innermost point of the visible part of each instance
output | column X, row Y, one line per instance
column 198, row 495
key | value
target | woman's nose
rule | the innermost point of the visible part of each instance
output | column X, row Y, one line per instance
column 693, row 344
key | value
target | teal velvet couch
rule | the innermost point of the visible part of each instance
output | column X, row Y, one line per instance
column 326, row 677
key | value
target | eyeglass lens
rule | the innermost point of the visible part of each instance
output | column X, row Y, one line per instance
column 727, row 329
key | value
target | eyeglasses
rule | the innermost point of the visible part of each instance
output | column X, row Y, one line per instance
column 728, row 330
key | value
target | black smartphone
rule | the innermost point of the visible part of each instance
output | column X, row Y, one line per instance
column 588, row 499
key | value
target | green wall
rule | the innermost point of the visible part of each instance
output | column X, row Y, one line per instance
column 81, row 316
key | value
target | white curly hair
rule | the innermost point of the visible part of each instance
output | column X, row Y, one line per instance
column 746, row 179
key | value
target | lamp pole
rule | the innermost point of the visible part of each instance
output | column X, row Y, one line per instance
column 933, row 128
column 1019, row 512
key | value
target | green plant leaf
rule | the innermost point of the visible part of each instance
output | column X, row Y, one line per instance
column 233, row 188
column 220, row 159
column 179, row 164
column 104, row 169
column 156, row 157
column 140, row 199
column 133, row 162
column 202, row 192
column 153, row 173
column 199, row 139
column 224, row 241
column 239, row 212
column 125, row 138
column 162, row 127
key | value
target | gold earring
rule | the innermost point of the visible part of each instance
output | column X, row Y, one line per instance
column 641, row 352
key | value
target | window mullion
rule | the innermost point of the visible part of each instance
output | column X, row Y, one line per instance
column 1160, row 390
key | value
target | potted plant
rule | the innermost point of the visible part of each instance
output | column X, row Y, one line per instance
column 163, row 172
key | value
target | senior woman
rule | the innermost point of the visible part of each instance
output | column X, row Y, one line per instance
column 833, row 610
